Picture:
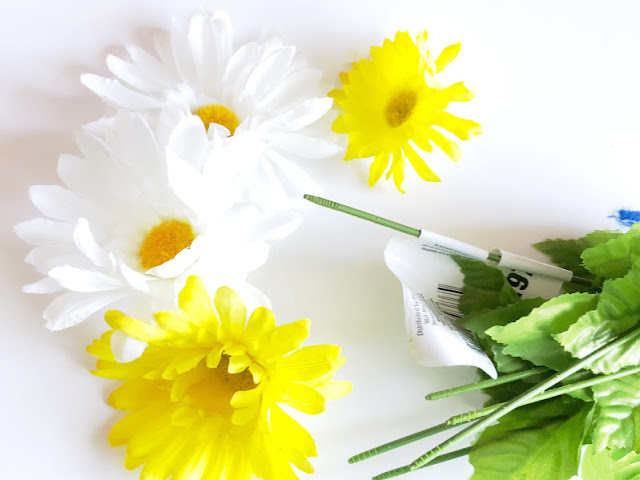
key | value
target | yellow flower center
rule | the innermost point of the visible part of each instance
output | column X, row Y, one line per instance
column 218, row 114
column 215, row 389
column 399, row 108
column 164, row 242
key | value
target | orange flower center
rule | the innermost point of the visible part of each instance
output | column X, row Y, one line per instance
column 399, row 108
column 218, row 114
column 164, row 242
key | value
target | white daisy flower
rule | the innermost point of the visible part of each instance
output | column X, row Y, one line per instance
column 134, row 220
column 258, row 97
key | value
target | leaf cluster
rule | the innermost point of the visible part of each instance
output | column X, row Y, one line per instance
column 594, row 431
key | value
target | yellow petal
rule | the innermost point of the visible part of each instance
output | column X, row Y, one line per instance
column 458, row 92
column 246, row 398
column 134, row 328
column 260, row 324
column 461, row 127
column 335, row 389
column 292, row 433
column 420, row 166
column 101, row 348
column 195, row 302
column 445, row 144
column 213, row 357
column 305, row 399
column 243, row 416
column 308, row 363
column 183, row 362
column 378, row 167
column 339, row 125
column 173, row 321
column 134, row 394
column 238, row 363
column 286, row 338
column 447, row 56
column 231, row 309
column 398, row 171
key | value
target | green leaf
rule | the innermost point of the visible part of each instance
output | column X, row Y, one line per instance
column 618, row 310
column 500, row 316
column 602, row 466
column 481, row 322
column 532, row 337
column 539, row 442
column 566, row 253
column 485, row 287
column 613, row 425
column 613, row 258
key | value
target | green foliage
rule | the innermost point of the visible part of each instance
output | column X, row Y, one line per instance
column 613, row 258
column 613, row 425
column 603, row 466
column 544, row 441
column 532, row 336
column 537, row 442
column 485, row 287
column 567, row 253
column 618, row 310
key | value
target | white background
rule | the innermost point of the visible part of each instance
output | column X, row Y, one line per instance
column 557, row 94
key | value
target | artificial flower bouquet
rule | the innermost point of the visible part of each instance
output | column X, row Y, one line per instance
column 175, row 196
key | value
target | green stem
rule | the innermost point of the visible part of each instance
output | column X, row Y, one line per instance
column 400, row 442
column 511, row 377
column 449, row 456
column 518, row 401
column 483, row 412
column 441, row 459
column 363, row 215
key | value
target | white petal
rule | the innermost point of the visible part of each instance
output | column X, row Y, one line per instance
column 91, row 146
column 57, row 202
column 150, row 67
column 210, row 42
column 187, row 183
column 162, row 44
column 133, row 278
column 277, row 226
column 182, row 53
column 292, row 89
column 189, row 142
column 125, row 348
column 304, row 146
column 241, row 64
column 180, row 263
column 128, row 73
column 46, row 257
column 45, row 285
column 304, row 114
column 42, row 230
column 72, row 308
column 85, row 242
column 298, row 180
column 83, row 280
column 135, row 147
column 117, row 94
column 269, row 73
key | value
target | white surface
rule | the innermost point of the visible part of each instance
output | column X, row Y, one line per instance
column 557, row 87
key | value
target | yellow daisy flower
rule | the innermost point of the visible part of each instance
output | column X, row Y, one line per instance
column 392, row 103
column 203, row 397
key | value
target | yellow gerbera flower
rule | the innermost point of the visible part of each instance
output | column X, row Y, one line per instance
column 393, row 102
column 204, row 394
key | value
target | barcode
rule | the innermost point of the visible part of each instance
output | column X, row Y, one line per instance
column 449, row 300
